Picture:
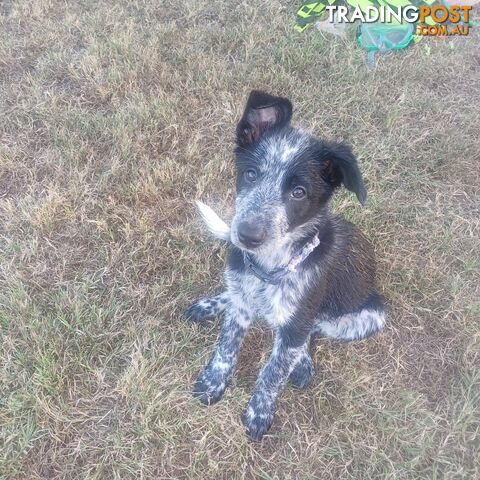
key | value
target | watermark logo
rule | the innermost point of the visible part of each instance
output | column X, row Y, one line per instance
column 432, row 21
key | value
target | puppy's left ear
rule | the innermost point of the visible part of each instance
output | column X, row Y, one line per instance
column 339, row 165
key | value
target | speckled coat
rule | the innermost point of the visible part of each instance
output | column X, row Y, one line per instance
column 285, row 178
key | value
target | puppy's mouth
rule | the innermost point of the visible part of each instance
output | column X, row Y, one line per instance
column 260, row 243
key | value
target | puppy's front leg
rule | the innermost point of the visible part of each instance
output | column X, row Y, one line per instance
column 213, row 380
column 261, row 409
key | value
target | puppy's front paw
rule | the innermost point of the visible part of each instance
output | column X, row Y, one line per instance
column 209, row 386
column 201, row 311
column 302, row 374
column 258, row 420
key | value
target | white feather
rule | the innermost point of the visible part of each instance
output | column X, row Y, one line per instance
column 214, row 223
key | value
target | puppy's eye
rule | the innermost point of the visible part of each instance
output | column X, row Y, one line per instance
column 298, row 192
column 250, row 175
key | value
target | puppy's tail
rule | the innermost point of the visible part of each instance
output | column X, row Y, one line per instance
column 214, row 223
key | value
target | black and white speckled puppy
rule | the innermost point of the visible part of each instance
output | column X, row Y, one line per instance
column 292, row 263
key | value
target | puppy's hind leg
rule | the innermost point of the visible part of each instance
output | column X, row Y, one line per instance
column 207, row 308
column 303, row 372
column 364, row 323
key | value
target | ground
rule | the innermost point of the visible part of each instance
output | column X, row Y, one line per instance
column 115, row 116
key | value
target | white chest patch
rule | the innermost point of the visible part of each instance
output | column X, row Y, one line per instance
column 274, row 304
column 281, row 308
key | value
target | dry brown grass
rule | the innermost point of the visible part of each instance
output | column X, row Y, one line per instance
column 115, row 115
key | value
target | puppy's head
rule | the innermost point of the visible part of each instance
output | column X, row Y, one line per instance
column 285, row 177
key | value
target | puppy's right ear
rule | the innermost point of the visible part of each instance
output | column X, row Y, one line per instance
column 262, row 112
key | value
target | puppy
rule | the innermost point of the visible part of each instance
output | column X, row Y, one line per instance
column 292, row 263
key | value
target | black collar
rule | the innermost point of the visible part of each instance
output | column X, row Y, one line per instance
column 275, row 276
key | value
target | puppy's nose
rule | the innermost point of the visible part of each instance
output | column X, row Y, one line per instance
column 250, row 234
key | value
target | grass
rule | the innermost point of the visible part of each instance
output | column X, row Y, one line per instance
column 115, row 116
